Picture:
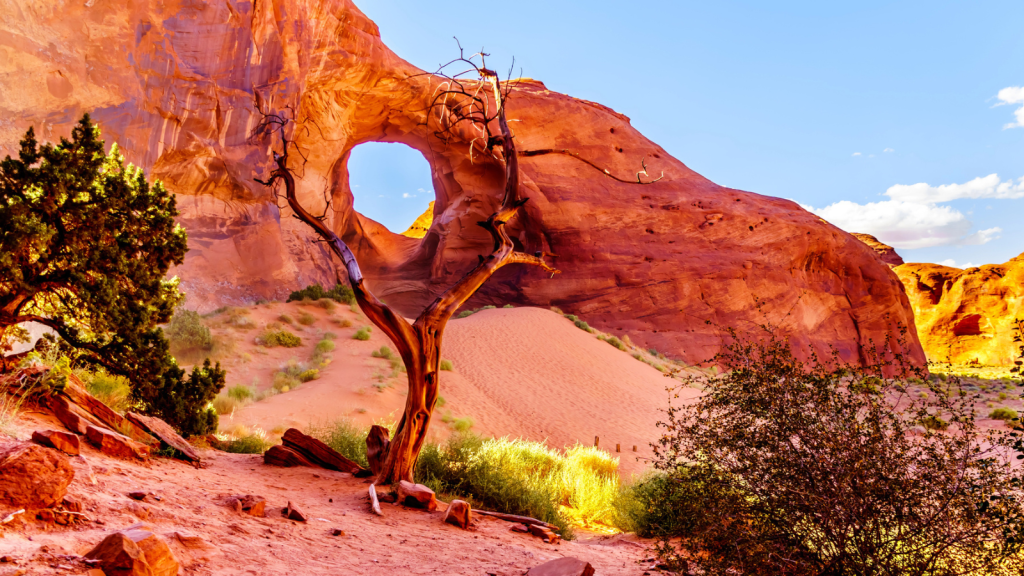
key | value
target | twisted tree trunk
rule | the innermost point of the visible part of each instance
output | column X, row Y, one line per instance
column 420, row 343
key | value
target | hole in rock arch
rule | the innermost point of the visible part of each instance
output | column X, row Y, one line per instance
column 391, row 184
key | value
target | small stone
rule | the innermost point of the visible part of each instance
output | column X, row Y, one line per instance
column 66, row 442
column 416, row 496
column 249, row 504
column 46, row 515
column 32, row 476
column 137, row 496
column 6, row 559
column 293, row 513
column 567, row 566
column 458, row 514
column 337, row 532
column 71, row 504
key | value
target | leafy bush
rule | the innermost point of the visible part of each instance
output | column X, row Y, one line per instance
column 184, row 403
column 1003, row 413
column 583, row 326
column 384, row 352
column 614, row 342
column 187, row 334
column 446, row 364
column 272, row 338
column 112, row 390
column 306, row 319
column 362, row 334
column 309, row 375
column 324, row 346
column 658, row 505
column 753, row 464
column 251, row 444
column 463, row 424
column 339, row 293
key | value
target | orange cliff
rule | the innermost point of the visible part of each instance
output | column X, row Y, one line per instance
column 965, row 316
column 176, row 83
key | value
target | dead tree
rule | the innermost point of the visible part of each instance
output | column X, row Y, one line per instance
column 463, row 110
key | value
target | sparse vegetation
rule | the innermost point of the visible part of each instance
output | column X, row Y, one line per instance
column 286, row 319
column 343, row 436
column 187, row 333
column 1004, row 414
column 272, row 338
column 113, row 390
column 362, row 334
column 462, row 424
column 324, row 346
column 307, row 319
column 327, row 304
column 383, row 352
column 446, row 364
column 339, row 293
column 613, row 341
column 250, row 444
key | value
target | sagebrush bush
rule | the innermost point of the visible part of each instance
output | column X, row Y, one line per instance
column 286, row 319
column 362, row 334
column 284, row 338
column 306, row 319
column 342, row 322
column 383, row 352
column 112, row 390
column 1003, row 413
column 324, row 346
column 339, row 293
column 446, row 364
column 614, row 342
column 327, row 304
column 241, row 393
column 283, row 382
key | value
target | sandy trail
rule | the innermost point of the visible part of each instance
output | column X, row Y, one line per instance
column 191, row 500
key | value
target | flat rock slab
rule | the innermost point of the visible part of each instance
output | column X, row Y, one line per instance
column 567, row 566
column 32, row 476
column 114, row 444
column 163, row 432
column 64, row 441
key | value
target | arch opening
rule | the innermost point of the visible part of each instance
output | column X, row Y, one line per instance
column 391, row 184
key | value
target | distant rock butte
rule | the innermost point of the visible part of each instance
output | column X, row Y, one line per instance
column 885, row 252
column 653, row 261
column 966, row 315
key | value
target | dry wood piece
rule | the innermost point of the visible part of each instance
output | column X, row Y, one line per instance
column 317, row 452
column 285, row 457
column 162, row 431
column 513, row 518
column 459, row 514
column 546, row 534
column 377, row 447
column 374, row 504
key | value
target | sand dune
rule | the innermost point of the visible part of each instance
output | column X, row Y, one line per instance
column 521, row 372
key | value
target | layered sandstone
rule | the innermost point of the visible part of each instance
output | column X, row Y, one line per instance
column 176, row 83
column 885, row 252
column 967, row 315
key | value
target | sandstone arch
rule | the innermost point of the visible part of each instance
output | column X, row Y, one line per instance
column 654, row 262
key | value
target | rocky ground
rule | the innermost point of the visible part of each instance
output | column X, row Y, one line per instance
column 190, row 509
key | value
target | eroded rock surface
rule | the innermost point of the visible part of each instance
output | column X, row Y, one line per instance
column 179, row 95
column 32, row 476
column 967, row 315
column 885, row 252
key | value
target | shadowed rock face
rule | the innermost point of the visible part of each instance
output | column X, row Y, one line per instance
column 175, row 84
column 967, row 315
column 885, row 252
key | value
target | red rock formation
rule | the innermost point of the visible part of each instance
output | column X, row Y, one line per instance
column 966, row 315
column 885, row 252
column 652, row 261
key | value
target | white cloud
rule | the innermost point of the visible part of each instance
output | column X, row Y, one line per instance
column 888, row 150
column 906, row 224
column 856, row 153
column 1013, row 95
column 982, row 187
column 407, row 195
column 949, row 262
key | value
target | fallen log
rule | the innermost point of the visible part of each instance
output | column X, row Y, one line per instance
column 374, row 504
column 520, row 519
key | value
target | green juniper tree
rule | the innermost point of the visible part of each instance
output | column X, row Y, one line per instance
column 85, row 246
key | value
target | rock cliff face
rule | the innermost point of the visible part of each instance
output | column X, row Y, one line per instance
column 966, row 315
column 885, row 252
column 176, row 83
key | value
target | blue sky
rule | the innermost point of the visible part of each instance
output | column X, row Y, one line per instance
column 884, row 117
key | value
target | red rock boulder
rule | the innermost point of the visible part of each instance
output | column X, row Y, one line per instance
column 135, row 552
column 114, row 444
column 416, row 496
column 459, row 514
column 65, row 442
column 32, row 476
column 567, row 566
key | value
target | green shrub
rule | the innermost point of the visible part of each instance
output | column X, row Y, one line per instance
column 660, row 505
column 614, row 342
column 462, row 424
column 362, row 334
column 384, row 352
column 465, row 313
column 309, row 375
column 184, row 402
column 339, row 293
column 343, row 436
column 283, row 382
column 508, row 306
column 284, row 338
column 327, row 304
column 1004, row 414
column 186, row 332
column 306, row 319
column 932, row 422
column 241, row 393
column 440, row 402
column 323, row 347
column 286, row 319
column 446, row 365
column 583, row 326
column 251, row 444
column 114, row 391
